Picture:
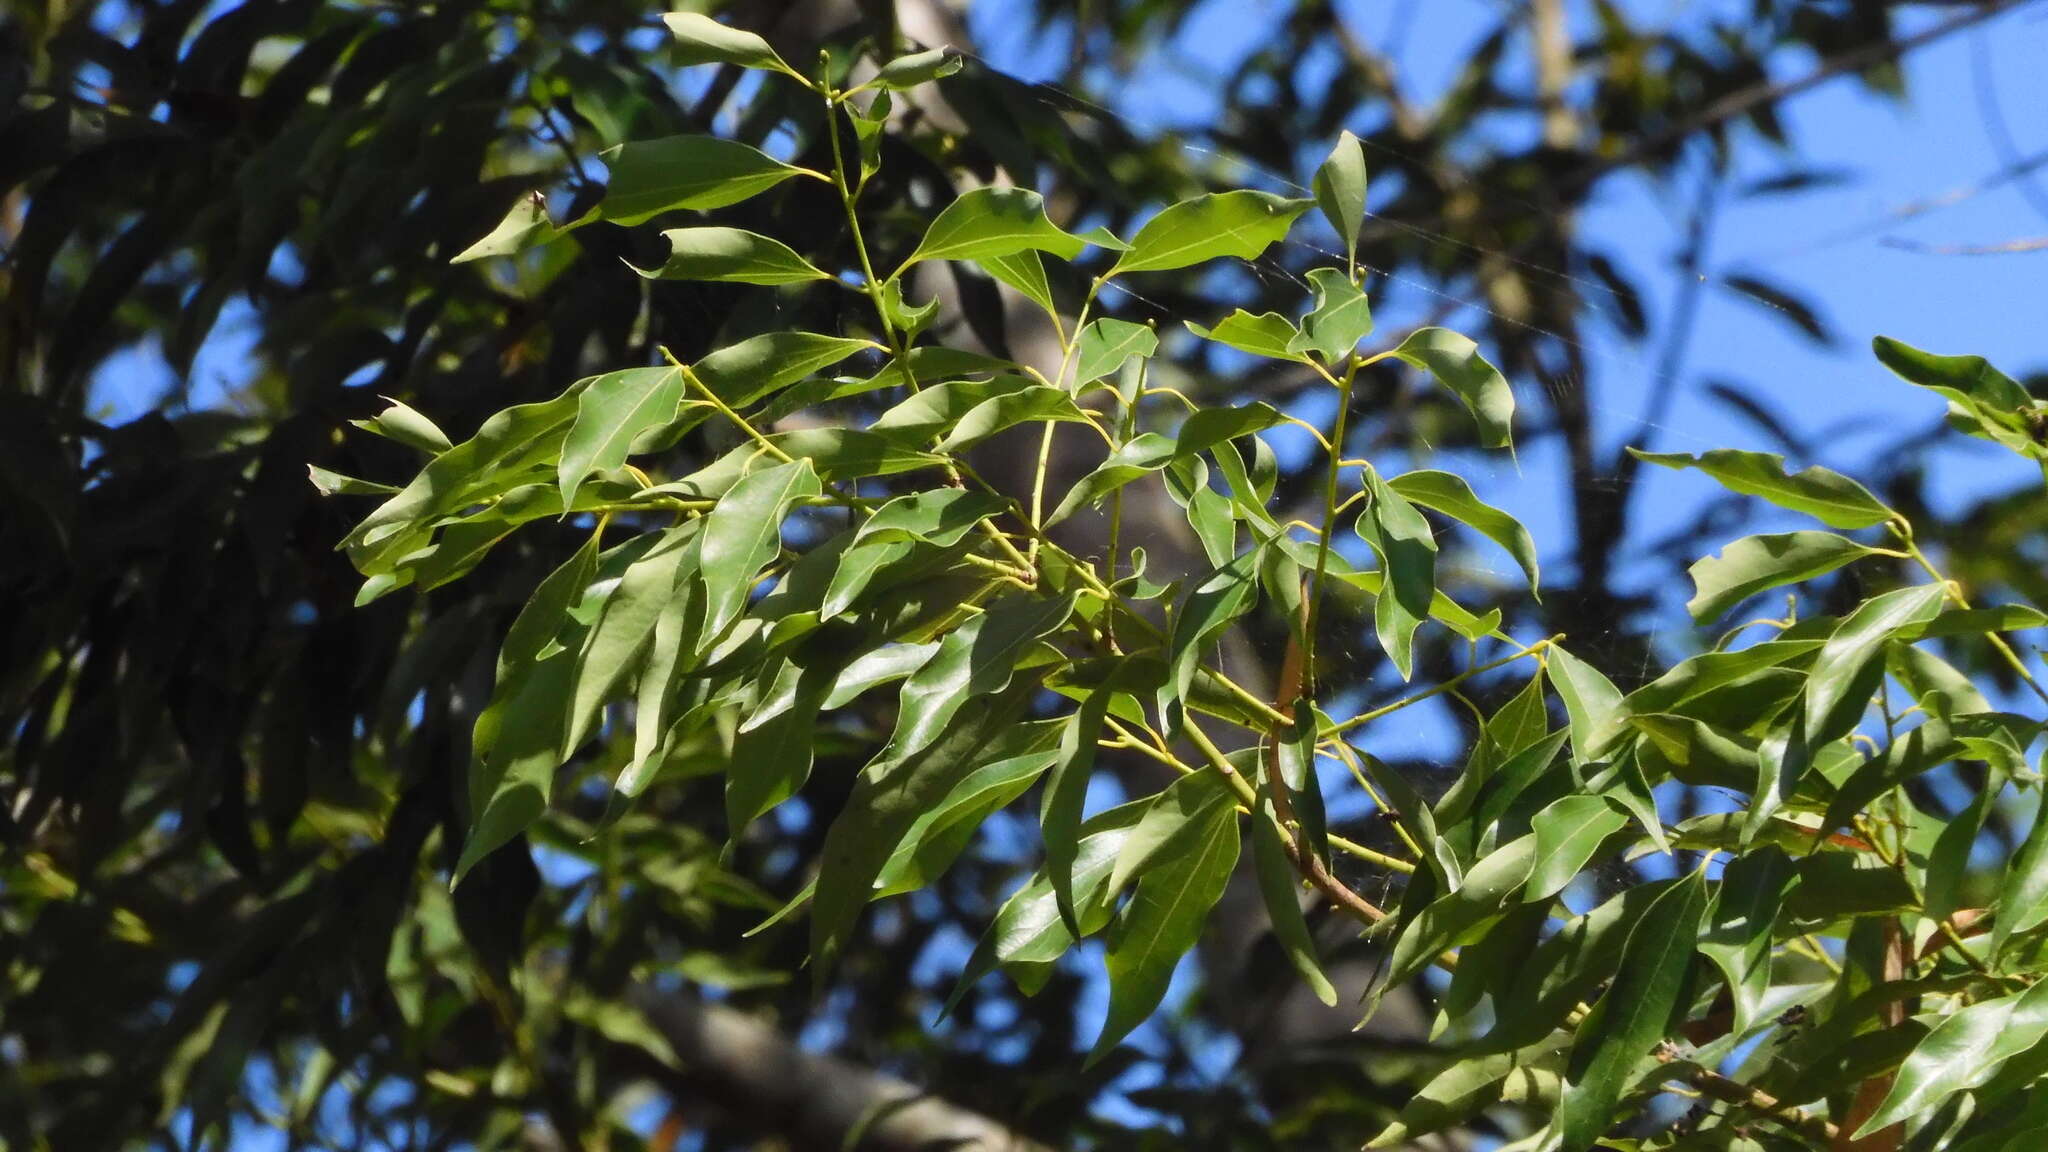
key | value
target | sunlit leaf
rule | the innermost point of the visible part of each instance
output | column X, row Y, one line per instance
column 730, row 254
column 1240, row 224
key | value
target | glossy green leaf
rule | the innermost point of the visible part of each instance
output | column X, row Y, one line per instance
column 1025, row 272
column 773, row 746
column 1005, row 411
column 1204, row 611
column 743, row 533
column 1164, row 920
column 1182, row 805
column 1012, row 763
column 701, row 40
column 2023, row 891
column 744, row 373
column 1569, row 965
column 1983, row 402
column 731, row 255
column 1280, row 885
column 1461, row 1091
column 1342, row 316
column 1454, row 361
column 1339, row 187
column 1963, row 1050
column 623, row 630
column 1755, row 564
column 1836, row 886
column 1591, row 702
column 1066, row 789
column 649, row 177
column 938, row 409
column 991, row 223
column 616, row 409
column 918, row 68
column 1448, row 493
column 404, row 424
column 1633, row 1016
column 1406, row 546
column 1568, row 832
column 1105, row 344
column 1851, row 664
column 1737, row 936
column 331, row 483
column 1490, row 887
column 1830, row 497
column 1240, row 224
column 974, row 660
column 526, row 225
column 1268, row 334
column 941, row 516
column 1148, row 452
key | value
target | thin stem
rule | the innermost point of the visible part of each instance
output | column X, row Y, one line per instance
column 1335, row 447
column 725, row 410
column 1439, row 689
column 1045, row 437
column 1904, row 531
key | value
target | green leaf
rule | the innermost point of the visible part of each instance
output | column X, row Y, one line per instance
column 1168, row 817
column 1341, row 318
column 1462, row 1090
column 2023, row 891
column 1240, row 224
column 1280, row 885
column 1025, row 272
column 876, row 667
column 1737, row 936
column 1830, row 497
column 527, row 225
column 1105, row 344
column 1632, row 1017
column 772, row 747
column 1569, row 965
column 702, row 40
column 887, row 800
column 1962, row 1051
column 731, row 255
column 1340, row 190
column 759, row 366
column 1268, row 334
column 1448, row 493
column 1164, row 920
column 1568, row 833
column 402, row 423
column 743, row 533
column 1066, row 789
column 1982, row 401
column 649, row 177
column 1205, row 610
column 1591, row 702
column 1455, row 918
column 1148, row 452
column 1755, row 564
column 991, row 223
column 614, row 411
column 1001, row 412
column 1406, row 546
column 936, row 410
column 974, row 660
column 331, row 483
column 941, row 516
column 1851, row 664
column 1454, row 361
column 1836, row 886
column 906, row 72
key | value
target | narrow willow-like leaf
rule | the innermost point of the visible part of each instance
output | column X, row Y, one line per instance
column 731, row 255
column 1180, row 806
column 1983, row 402
column 2023, row 892
column 1059, row 814
column 1568, row 966
column 888, row 797
column 1340, row 190
column 1454, row 361
column 906, row 72
column 1448, row 493
column 1568, row 832
column 1632, row 1017
column 403, row 423
column 1407, row 550
column 1164, row 920
column 1462, row 1090
column 649, row 177
column 1829, row 497
column 626, row 626
column 772, row 749
column 1755, row 564
column 974, row 660
column 1280, row 885
column 1240, row 224
column 1015, row 763
column 938, row 409
column 332, row 483
column 1149, row 452
column 1963, row 1050
column 1267, row 334
column 1207, row 608
column 1489, row 887
column 1737, row 935
column 701, row 40
column 1342, row 316
column 990, row 223
column 1851, row 663
column 617, row 408
column 1105, row 344
column 743, row 533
